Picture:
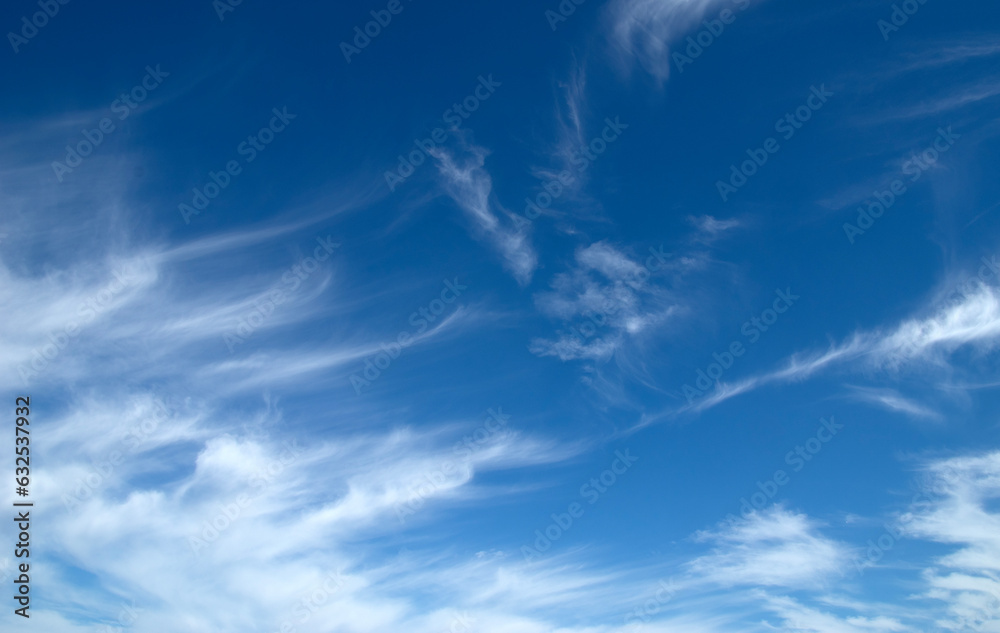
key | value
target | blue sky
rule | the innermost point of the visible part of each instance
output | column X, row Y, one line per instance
column 636, row 315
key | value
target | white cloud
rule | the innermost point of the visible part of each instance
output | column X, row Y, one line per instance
column 894, row 401
column 329, row 505
column 605, row 299
column 645, row 29
column 922, row 344
column 471, row 187
column 804, row 619
column 710, row 228
column 951, row 52
column 962, row 512
column 773, row 547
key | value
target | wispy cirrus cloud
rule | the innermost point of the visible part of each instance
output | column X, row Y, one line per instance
column 644, row 30
column 931, row 59
column 604, row 299
column 936, row 54
column 893, row 401
column 921, row 344
column 471, row 187
column 710, row 229
column 797, row 616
